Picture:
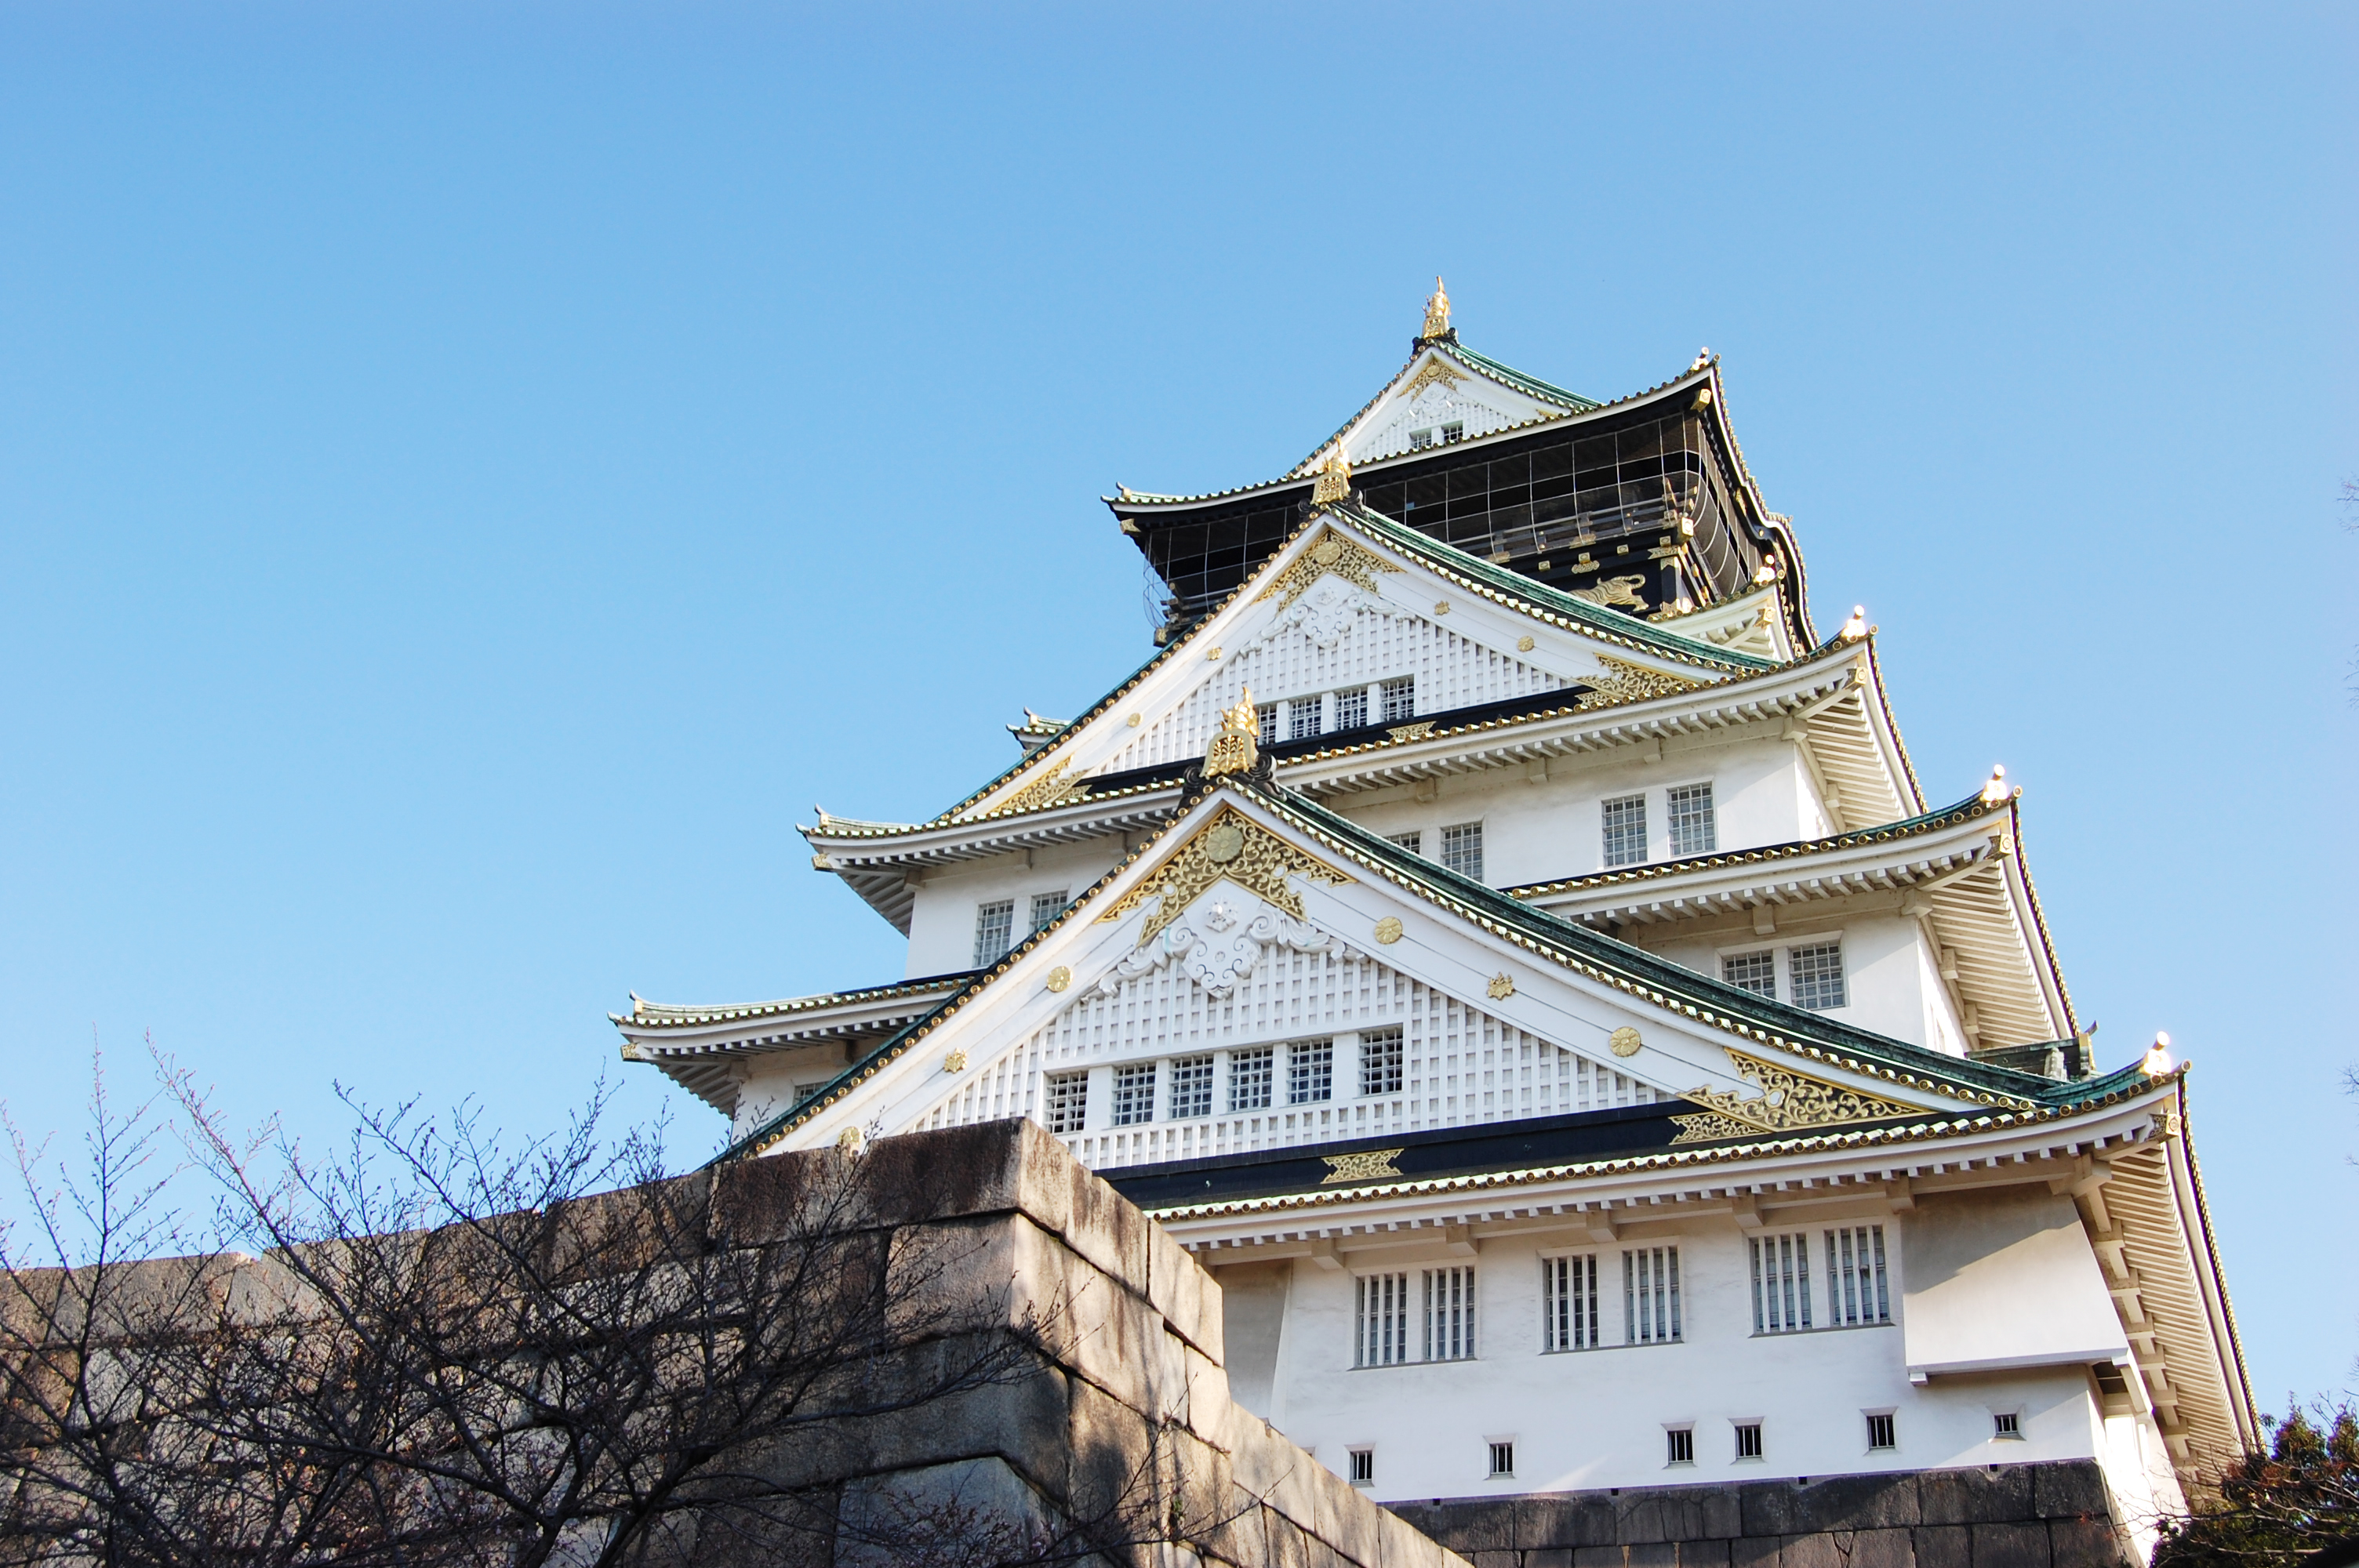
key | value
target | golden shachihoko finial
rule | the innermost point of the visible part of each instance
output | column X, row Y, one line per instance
column 1236, row 746
column 1437, row 311
column 1334, row 480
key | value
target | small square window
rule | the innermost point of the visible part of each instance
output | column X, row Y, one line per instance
column 1749, row 1440
column 1626, row 830
column 1462, row 849
column 1687, row 810
column 1754, row 972
column 1046, row 906
column 1816, row 975
column 1419, row 439
column 2008, row 1425
column 1503, row 1459
column 1069, row 1098
column 1380, row 1062
column 1192, row 1087
column 1311, row 1073
column 1363, row 1466
column 994, row 932
column 1413, row 841
column 1879, row 1431
column 1133, row 1094
column 1302, row 717
column 1454, row 431
column 1680, row 1444
column 1400, row 699
column 1250, row 1073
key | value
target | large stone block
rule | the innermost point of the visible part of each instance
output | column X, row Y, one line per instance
column 975, row 1508
column 2010, row 1545
column 1704, row 1554
column 1184, row 1291
column 1677, row 1513
column 1821, row 1549
column 1754, row 1551
column 2069, row 1489
column 1942, row 1546
column 2088, row 1543
column 1883, row 1549
column 1870, row 1501
column 1990, row 1496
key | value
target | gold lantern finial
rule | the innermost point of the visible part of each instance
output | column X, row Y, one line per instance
column 1237, row 745
column 1334, row 480
column 1437, row 311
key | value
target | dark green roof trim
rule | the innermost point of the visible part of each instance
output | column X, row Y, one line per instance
column 1518, row 380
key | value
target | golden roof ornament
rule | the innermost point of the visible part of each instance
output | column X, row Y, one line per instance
column 1995, row 792
column 1237, row 745
column 1437, row 312
column 1334, row 480
column 1856, row 627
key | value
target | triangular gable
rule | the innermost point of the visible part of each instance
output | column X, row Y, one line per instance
column 1443, row 395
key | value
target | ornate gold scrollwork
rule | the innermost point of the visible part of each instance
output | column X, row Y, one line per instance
column 1788, row 1101
column 1369, row 1165
column 1618, row 681
column 1349, row 559
column 1234, row 847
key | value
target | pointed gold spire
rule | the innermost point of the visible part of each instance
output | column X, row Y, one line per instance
column 1334, row 480
column 1437, row 311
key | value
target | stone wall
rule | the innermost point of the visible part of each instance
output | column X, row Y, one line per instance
column 2053, row 1515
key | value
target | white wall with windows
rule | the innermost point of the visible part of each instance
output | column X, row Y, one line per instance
column 949, row 924
column 1881, row 967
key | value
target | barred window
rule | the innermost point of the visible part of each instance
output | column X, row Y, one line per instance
column 1413, row 840
column 994, row 931
column 1650, row 1295
column 1267, row 712
column 1462, row 849
column 1781, row 1282
column 1133, row 1094
column 1249, row 1079
column 1569, row 1303
column 1380, row 1062
column 1380, row 1320
column 1879, row 1431
column 1503, row 1459
column 1192, row 1087
column 1302, row 717
column 1352, row 708
column 1816, row 977
column 1857, row 1291
column 1680, row 1446
column 1626, row 830
column 1046, row 906
column 1400, row 701
column 1067, row 1100
column 1363, row 1465
column 1311, row 1073
column 1450, row 1314
column 1754, row 972
column 1689, row 811
column 1749, row 1440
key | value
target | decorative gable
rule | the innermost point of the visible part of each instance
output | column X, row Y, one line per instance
column 1439, row 399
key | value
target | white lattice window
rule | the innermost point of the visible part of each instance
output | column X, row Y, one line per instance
column 1380, row 1320
column 1858, row 1293
column 1380, row 1062
column 1400, row 699
column 1192, row 1087
column 1462, row 849
column 994, row 932
column 1625, row 829
column 1419, row 439
column 1352, row 708
column 1815, row 977
column 1133, row 1094
column 1688, row 814
column 1650, row 1295
column 1450, row 1314
column 1781, row 1282
column 1454, row 431
column 1068, row 1101
column 1413, row 840
column 1569, row 1303
column 1046, row 906
column 1267, row 713
column 1302, row 717
column 1310, row 1072
column 1754, row 972
column 1250, row 1076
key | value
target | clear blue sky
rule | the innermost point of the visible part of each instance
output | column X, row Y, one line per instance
column 471, row 477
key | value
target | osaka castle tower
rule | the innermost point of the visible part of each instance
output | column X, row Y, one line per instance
column 1501, row 938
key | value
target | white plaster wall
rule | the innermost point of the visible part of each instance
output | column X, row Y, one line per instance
column 942, row 921
column 1887, row 968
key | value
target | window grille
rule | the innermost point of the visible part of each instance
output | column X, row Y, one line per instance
column 1352, row 708
column 1380, row 1062
column 1454, row 430
column 1781, row 1282
column 1569, row 1303
column 1857, row 1290
column 1249, row 1079
column 1046, row 906
column 1749, row 1440
column 1879, row 1431
column 1400, row 701
column 1133, row 1094
column 805, row 1091
column 2006, row 1423
column 1681, row 1447
column 1650, row 1295
column 1450, row 1314
column 995, row 928
column 1419, row 439
column 1462, row 849
column 1302, row 717
column 1192, row 1087
column 1363, row 1465
column 1626, row 830
column 1754, row 972
column 1413, row 841
column 1816, row 977
column 1068, row 1101
column 1267, row 712
column 1503, row 1459
column 1311, row 1073
column 1688, row 813
column 1380, row 1337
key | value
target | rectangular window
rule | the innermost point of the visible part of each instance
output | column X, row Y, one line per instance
column 1363, row 1466
column 1302, row 717
column 1650, row 1295
column 1454, row 430
column 1067, row 1099
column 2006, row 1423
column 1681, row 1445
column 1400, row 701
column 1569, row 1303
column 1419, row 439
column 1192, row 1087
column 1749, row 1440
column 1816, row 977
column 1267, row 713
column 1413, row 840
column 1380, row 1062
column 1046, row 907
column 1879, row 1431
column 1311, row 1073
column 1857, row 1291
column 1352, row 708
column 1754, row 972
column 1781, row 1282
column 1688, row 811
column 1626, row 830
column 1380, row 1337
column 1450, row 1314
column 1133, row 1094
column 1249, row 1079
column 994, row 932
column 1503, row 1459
column 1462, row 849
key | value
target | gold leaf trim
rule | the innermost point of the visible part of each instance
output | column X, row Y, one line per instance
column 1369, row 1165
column 1619, row 681
column 1051, row 788
column 1788, row 1100
column 1230, row 847
column 1436, row 369
column 1334, row 552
